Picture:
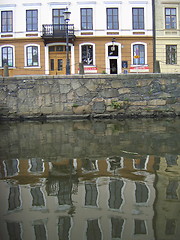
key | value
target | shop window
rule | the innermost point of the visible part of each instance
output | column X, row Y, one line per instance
column 171, row 54
column 87, row 54
column 32, row 56
column 7, row 56
column 138, row 54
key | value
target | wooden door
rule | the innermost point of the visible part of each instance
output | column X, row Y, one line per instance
column 57, row 60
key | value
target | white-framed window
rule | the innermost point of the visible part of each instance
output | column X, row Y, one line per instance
column 139, row 53
column 32, row 55
column 87, row 53
column 7, row 53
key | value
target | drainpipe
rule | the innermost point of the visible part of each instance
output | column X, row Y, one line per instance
column 154, row 35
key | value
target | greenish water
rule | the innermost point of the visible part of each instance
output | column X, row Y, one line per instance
column 90, row 180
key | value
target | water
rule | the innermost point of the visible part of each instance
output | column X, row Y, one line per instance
column 90, row 180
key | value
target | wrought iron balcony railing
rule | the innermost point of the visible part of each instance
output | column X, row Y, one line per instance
column 57, row 30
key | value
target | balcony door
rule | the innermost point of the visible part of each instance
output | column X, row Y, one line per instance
column 57, row 60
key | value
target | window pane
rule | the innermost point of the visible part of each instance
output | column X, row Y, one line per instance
column 86, row 18
column 138, row 54
column 7, row 56
column 170, row 18
column 171, row 54
column 32, row 56
column 138, row 18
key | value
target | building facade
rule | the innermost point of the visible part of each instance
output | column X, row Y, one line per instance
column 33, row 36
column 167, row 22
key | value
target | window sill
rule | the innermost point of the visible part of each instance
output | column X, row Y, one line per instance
column 30, row 67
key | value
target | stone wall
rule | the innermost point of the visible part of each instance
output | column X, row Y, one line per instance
column 53, row 97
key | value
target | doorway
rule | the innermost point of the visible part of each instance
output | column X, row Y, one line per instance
column 57, row 60
column 113, row 66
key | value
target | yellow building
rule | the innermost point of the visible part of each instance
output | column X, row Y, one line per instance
column 168, row 35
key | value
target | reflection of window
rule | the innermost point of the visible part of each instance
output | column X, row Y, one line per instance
column 115, row 163
column 6, row 21
column 93, row 230
column 37, row 165
column 171, row 160
column 171, row 54
column 14, row 230
column 40, row 230
column 117, row 227
column 171, row 191
column 115, row 191
column 38, row 198
column 140, row 227
column 170, row 226
column 87, row 54
column 32, row 56
column 14, row 198
column 170, row 18
column 91, row 194
column 64, row 193
column 11, row 167
column 7, row 56
column 138, row 54
column 140, row 163
column 138, row 18
column 141, row 192
column 31, row 20
column 64, row 226
column 112, row 18
column 89, row 165
column 86, row 18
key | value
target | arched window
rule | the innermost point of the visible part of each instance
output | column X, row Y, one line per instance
column 139, row 54
column 87, row 54
column 32, row 56
column 7, row 56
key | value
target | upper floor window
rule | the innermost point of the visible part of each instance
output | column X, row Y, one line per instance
column 138, row 54
column 87, row 54
column 32, row 56
column 31, row 20
column 6, row 21
column 170, row 18
column 86, row 19
column 112, row 19
column 138, row 18
column 171, row 54
column 58, row 16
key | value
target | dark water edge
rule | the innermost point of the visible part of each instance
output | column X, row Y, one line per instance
column 90, row 179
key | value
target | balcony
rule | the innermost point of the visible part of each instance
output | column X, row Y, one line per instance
column 57, row 31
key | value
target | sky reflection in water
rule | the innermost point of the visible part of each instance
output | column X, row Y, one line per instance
column 90, row 180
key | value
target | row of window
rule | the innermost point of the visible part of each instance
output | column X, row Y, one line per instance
column 112, row 16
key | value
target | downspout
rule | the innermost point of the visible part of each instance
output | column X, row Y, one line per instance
column 154, row 35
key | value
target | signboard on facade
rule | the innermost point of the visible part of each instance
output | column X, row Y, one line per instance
column 90, row 69
column 139, row 68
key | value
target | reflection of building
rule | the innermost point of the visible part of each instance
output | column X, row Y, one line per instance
column 168, row 199
column 78, row 199
column 32, row 37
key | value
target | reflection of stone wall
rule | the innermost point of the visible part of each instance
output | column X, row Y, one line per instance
column 104, row 95
column 88, row 139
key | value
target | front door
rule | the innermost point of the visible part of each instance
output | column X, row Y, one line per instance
column 57, row 60
column 113, row 66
